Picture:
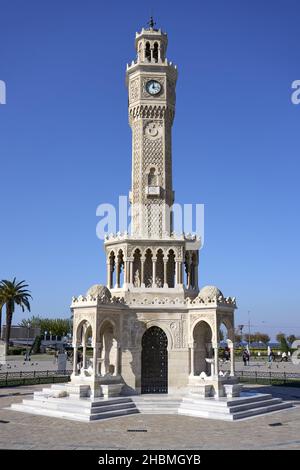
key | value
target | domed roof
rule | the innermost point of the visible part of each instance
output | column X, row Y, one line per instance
column 98, row 290
column 210, row 292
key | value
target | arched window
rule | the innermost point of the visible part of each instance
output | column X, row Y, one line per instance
column 120, row 269
column 202, row 336
column 159, row 278
column 108, row 349
column 148, row 52
column 152, row 177
column 148, row 279
column 171, row 269
column 137, row 280
column 187, row 265
column 111, row 278
column 155, row 52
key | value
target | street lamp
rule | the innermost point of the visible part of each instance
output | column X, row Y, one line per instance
column 249, row 327
column 240, row 327
column 28, row 329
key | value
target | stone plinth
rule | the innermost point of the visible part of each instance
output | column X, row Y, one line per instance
column 61, row 361
column 111, row 390
column 211, row 386
column 232, row 390
column 3, row 357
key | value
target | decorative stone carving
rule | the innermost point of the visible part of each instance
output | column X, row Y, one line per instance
column 99, row 291
column 153, row 130
column 134, row 90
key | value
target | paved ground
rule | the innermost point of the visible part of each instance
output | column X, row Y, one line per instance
column 24, row 431
column 46, row 362
column 38, row 362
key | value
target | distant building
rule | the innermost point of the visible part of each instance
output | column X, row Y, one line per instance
column 21, row 334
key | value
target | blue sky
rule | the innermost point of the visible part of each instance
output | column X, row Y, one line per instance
column 235, row 143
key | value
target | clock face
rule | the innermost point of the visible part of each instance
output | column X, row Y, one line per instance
column 153, row 87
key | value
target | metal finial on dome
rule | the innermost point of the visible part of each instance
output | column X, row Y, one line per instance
column 151, row 22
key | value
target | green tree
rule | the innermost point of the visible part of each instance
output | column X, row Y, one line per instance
column 13, row 293
column 261, row 337
column 57, row 326
column 291, row 338
column 281, row 338
column 34, row 322
column 237, row 338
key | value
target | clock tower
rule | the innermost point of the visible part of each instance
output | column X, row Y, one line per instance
column 151, row 81
column 152, row 256
column 150, row 328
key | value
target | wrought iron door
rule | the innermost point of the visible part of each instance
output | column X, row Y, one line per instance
column 154, row 361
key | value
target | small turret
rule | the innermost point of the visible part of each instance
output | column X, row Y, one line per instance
column 151, row 44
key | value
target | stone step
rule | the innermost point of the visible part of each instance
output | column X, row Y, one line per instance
column 231, row 409
column 158, row 411
column 82, row 402
column 224, row 403
column 262, row 410
column 255, row 405
column 87, row 409
column 56, row 404
column 71, row 415
column 48, row 412
column 215, row 414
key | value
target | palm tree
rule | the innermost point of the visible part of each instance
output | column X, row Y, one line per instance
column 13, row 293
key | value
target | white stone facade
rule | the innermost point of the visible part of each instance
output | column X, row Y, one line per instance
column 150, row 330
column 152, row 273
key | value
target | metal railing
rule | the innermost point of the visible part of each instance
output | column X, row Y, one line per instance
column 270, row 377
column 34, row 377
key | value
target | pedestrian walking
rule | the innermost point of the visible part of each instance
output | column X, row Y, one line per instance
column 284, row 357
column 245, row 357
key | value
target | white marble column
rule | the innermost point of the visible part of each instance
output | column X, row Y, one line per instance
column 95, row 358
column 108, row 275
column 117, row 275
column 117, row 361
column 75, row 350
column 142, row 272
column 192, row 358
column 216, row 357
column 131, row 272
column 154, row 272
column 165, row 273
column 232, row 364
column 178, row 273
column 84, row 356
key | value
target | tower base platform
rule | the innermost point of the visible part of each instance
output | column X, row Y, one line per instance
column 54, row 402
